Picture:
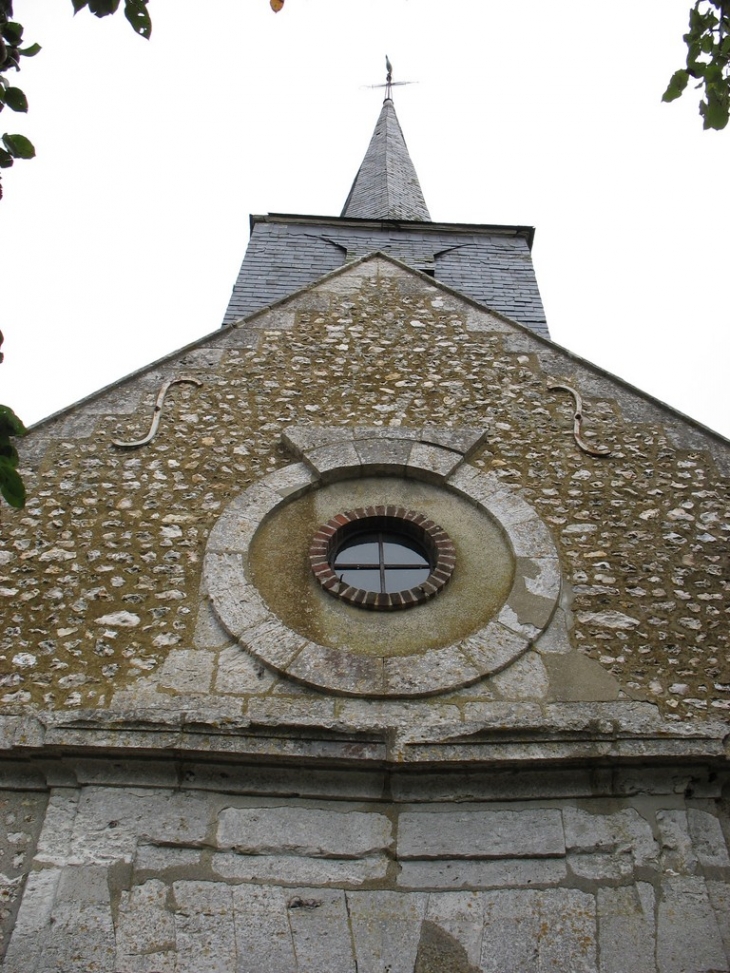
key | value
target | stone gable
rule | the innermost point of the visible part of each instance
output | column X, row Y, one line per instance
column 101, row 572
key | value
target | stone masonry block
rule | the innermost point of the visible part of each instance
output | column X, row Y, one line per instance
column 459, row 915
column 320, row 929
column 334, row 462
column 240, row 673
column 386, row 928
column 550, row 931
column 263, row 934
column 205, row 927
column 463, row 874
column 688, row 936
column 626, row 929
column 587, row 832
column 145, row 928
column 432, row 462
column 383, row 456
column 303, row 831
column 481, row 834
column 187, row 670
column 678, row 855
column 708, row 839
column 304, row 871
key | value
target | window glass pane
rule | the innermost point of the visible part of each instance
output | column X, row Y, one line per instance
column 359, row 550
column 399, row 580
column 366, row 579
column 398, row 549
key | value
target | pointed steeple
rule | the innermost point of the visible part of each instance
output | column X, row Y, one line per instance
column 386, row 186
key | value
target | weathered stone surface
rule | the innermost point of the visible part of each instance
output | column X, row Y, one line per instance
column 237, row 603
column 21, row 819
column 626, row 932
column 110, row 646
column 204, row 927
column 290, row 870
column 524, row 679
column 494, row 647
column 432, row 461
column 65, row 923
column 385, row 929
column 678, row 855
column 334, row 462
column 460, row 915
column 429, row 672
column 26, row 945
column 535, row 932
column 688, row 937
column 481, row 834
column 303, row 831
column 465, row 874
column 111, row 821
column 239, row 672
column 381, row 456
column 187, row 671
column 707, row 839
column 263, row 936
column 621, row 831
column 321, row 931
column 145, row 930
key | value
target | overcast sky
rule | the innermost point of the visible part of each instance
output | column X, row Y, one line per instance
column 122, row 239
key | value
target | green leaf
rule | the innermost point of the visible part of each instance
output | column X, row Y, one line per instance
column 8, row 451
column 138, row 16
column 11, row 485
column 102, row 8
column 30, row 51
column 12, row 32
column 19, row 146
column 715, row 112
column 15, row 99
column 677, row 84
column 10, row 424
column 6, row 159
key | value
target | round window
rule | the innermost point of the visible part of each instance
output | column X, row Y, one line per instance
column 382, row 557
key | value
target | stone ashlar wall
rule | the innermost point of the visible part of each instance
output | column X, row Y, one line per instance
column 100, row 574
column 226, row 874
column 21, row 819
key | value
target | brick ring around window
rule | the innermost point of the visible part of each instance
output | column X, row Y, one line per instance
column 355, row 557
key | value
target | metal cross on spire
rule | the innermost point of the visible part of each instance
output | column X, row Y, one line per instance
column 389, row 83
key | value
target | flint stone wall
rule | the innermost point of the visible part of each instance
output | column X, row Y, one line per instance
column 100, row 574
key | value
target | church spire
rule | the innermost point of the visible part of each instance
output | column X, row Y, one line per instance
column 386, row 186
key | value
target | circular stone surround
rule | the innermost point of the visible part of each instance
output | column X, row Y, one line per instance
column 523, row 616
column 398, row 520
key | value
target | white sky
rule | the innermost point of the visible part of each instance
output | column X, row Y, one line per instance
column 122, row 240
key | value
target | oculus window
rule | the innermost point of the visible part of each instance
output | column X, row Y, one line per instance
column 382, row 557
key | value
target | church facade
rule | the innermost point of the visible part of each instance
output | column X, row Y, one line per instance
column 373, row 632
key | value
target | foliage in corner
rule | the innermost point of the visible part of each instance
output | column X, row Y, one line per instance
column 11, row 485
column 11, row 38
column 134, row 10
column 708, row 61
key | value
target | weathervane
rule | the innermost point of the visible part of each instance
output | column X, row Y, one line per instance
column 389, row 83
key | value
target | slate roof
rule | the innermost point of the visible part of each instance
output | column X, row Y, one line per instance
column 385, row 211
column 386, row 185
column 489, row 264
